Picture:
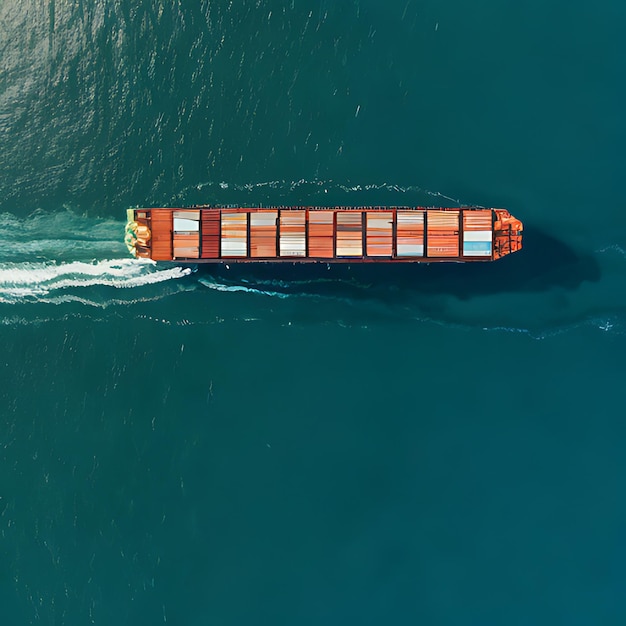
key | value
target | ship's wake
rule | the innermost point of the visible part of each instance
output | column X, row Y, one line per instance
column 52, row 282
column 311, row 192
column 57, row 257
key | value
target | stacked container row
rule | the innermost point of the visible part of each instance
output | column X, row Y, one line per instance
column 410, row 235
column 349, row 234
column 234, row 234
column 379, row 231
column 161, row 234
column 477, row 233
column 322, row 234
column 211, row 227
column 443, row 233
column 293, row 233
column 186, row 234
column 263, row 234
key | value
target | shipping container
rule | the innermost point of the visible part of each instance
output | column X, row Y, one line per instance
column 186, row 245
column 186, row 221
column 477, row 219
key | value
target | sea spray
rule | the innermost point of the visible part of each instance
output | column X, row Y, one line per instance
column 35, row 282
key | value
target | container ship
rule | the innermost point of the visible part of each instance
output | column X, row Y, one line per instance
column 212, row 234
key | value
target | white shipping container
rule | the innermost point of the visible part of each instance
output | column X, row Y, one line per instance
column 349, row 248
column 349, row 251
column 193, row 215
column 410, row 217
column 292, row 245
column 410, row 249
column 477, row 235
column 265, row 218
column 379, row 220
column 232, row 247
column 185, row 225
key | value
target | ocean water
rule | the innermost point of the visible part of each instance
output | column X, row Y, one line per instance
column 414, row 445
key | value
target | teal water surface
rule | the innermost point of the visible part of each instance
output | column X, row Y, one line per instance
column 434, row 445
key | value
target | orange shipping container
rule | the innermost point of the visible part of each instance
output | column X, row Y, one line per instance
column 443, row 233
column 161, row 234
column 210, row 227
column 321, row 234
column 477, row 220
column 186, row 245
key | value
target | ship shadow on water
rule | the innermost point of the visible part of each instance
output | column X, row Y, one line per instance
column 544, row 264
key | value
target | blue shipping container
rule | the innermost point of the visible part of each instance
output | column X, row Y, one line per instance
column 477, row 246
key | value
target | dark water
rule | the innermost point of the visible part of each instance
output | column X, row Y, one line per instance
column 432, row 445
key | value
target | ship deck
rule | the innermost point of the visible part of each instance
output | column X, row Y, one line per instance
column 323, row 234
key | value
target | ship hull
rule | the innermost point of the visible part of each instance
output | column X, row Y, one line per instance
column 344, row 235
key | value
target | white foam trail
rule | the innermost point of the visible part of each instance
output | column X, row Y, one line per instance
column 241, row 288
column 27, row 282
column 324, row 186
column 614, row 248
